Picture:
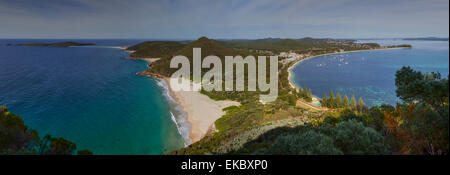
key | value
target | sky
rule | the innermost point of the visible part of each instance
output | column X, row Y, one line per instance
column 223, row 19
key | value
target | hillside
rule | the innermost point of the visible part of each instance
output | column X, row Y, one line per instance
column 155, row 49
column 299, row 45
column 209, row 47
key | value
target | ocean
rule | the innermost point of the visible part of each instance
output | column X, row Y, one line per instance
column 370, row 74
column 90, row 95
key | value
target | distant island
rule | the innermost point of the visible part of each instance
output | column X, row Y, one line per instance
column 427, row 39
column 59, row 44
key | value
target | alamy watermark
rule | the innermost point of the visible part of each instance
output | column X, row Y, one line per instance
column 213, row 78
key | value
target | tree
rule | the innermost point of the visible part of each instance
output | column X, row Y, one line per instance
column 56, row 146
column 292, row 100
column 353, row 137
column 308, row 143
column 346, row 101
column 309, row 96
column 332, row 101
column 413, row 86
column 338, row 100
column 353, row 103
column 305, row 92
column 84, row 152
column 300, row 92
column 17, row 138
column 361, row 105
column 325, row 100
column 425, row 114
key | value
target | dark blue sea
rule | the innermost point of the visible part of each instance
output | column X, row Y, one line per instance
column 370, row 74
column 90, row 95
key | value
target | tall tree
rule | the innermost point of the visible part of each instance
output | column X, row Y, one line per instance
column 300, row 92
column 332, row 101
column 361, row 105
column 346, row 101
column 361, row 102
column 338, row 100
column 305, row 92
column 309, row 95
column 353, row 102
column 325, row 100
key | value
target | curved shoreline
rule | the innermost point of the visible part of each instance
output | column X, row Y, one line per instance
column 290, row 73
column 202, row 111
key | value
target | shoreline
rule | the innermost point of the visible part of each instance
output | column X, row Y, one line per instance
column 202, row 111
column 290, row 74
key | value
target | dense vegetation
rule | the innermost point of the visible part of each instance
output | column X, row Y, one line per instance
column 17, row 138
column 155, row 49
column 61, row 44
column 303, row 45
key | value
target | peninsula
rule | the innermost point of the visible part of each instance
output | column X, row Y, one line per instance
column 222, row 119
column 59, row 44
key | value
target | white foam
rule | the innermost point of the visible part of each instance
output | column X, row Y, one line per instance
column 178, row 116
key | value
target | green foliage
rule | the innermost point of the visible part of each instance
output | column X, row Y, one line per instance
column 413, row 86
column 425, row 112
column 84, row 152
column 292, row 100
column 353, row 137
column 346, row 101
column 333, row 136
column 155, row 49
column 427, row 130
column 338, row 100
column 361, row 105
column 56, row 146
column 353, row 102
column 308, row 143
column 309, row 96
column 324, row 101
column 17, row 138
column 332, row 101
column 303, row 45
column 209, row 47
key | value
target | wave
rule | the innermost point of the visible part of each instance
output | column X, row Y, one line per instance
column 178, row 116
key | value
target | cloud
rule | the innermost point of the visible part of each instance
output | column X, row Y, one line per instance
column 222, row 19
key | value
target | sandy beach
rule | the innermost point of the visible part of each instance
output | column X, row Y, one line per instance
column 202, row 111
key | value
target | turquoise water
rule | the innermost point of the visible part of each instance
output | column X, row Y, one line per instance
column 90, row 95
column 370, row 74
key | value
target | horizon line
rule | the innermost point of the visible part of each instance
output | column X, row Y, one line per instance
column 184, row 39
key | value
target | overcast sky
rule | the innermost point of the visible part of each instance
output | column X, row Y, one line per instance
column 224, row 19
